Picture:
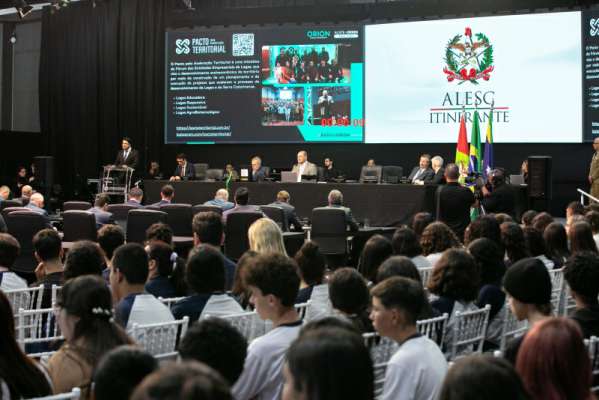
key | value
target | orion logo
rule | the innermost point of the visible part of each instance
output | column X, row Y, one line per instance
column 182, row 46
column 319, row 34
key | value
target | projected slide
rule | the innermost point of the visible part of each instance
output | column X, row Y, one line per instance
column 421, row 76
column 292, row 84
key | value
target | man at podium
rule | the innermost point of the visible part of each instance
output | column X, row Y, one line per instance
column 128, row 156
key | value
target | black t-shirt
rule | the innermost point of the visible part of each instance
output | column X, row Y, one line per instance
column 588, row 319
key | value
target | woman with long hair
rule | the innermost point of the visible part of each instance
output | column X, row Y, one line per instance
column 512, row 237
column 265, row 236
column 581, row 238
column 376, row 250
column 20, row 376
column 84, row 314
column 435, row 239
column 311, row 267
column 405, row 243
column 556, row 241
column 240, row 291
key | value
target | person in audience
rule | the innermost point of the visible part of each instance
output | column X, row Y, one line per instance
column 556, row 241
column 535, row 244
column 258, row 173
column 135, row 197
column 554, row 363
column 184, row 170
column 159, row 232
column 572, row 220
column 503, row 217
column 376, row 250
column 9, row 251
column 48, row 253
column 397, row 266
column 423, row 171
column 574, row 208
column 439, row 172
column 454, row 202
column 512, row 238
column 26, row 193
column 329, row 172
column 100, row 211
column 120, row 371
column 4, row 193
column 581, row 238
column 20, row 376
column 221, row 200
column 405, row 243
column 420, row 221
column 265, row 236
column 485, row 226
column 335, row 200
column 527, row 217
column 183, row 381
column 167, row 193
column 304, row 167
column 85, row 319
column 592, row 217
column 311, row 267
column 240, row 291
column 541, row 221
column 486, row 377
column 582, row 275
column 36, row 203
column 161, row 258
column 527, row 285
column 322, row 357
column 489, row 261
column 282, row 201
column 242, row 198
column 417, row 369
column 3, row 228
column 216, row 343
column 349, row 296
column 501, row 198
column 274, row 283
column 154, row 171
column 110, row 237
column 435, row 239
column 205, row 276
column 128, row 277
column 84, row 258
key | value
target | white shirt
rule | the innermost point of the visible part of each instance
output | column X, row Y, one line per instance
column 415, row 372
column 300, row 171
column 126, row 154
column 262, row 376
column 147, row 309
column 547, row 262
column 320, row 303
column 421, row 261
column 433, row 258
column 11, row 281
column 596, row 238
column 420, row 171
column 219, row 305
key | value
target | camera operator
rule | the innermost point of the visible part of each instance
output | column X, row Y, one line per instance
column 498, row 196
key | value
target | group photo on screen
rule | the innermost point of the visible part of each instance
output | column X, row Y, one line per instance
column 282, row 106
column 291, row 64
column 331, row 105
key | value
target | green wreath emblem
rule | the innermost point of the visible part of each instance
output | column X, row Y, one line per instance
column 468, row 60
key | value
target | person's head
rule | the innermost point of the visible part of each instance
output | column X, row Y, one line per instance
column 239, row 285
column 274, row 283
column 396, row 304
column 22, row 171
column 37, row 199
column 503, row 217
column 256, row 163
column 456, row 276
column 120, row 371
column 188, row 380
column 582, row 275
column 574, row 208
column 126, row 143
column 160, row 259
column 265, row 236
column 136, row 194
column 438, row 237
column 9, row 250
column 553, row 361
column 406, row 243
column 283, row 196
column 527, row 217
column 328, row 162
column 218, row 344
column 167, row 192
column 437, row 162
column 425, row 161
column 541, row 220
column 489, row 260
column 420, row 221
column 26, row 191
column 592, row 217
column 159, row 232
column 398, row 266
column 348, row 291
column 302, row 156
column 181, row 159
column 528, row 287
column 335, row 198
column 155, row 166
column 497, row 177
column 534, row 242
column 207, row 228
column 205, row 270
column 452, row 173
column 486, row 377
column 512, row 238
column 485, row 226
column 222, row 194
column 110, row 237
column 311, row 263
column 129, row 271
column 376, row 250
column 242, row 196
column 371, row 163
column 328, row 363
column 556, row 240
column 581, row 238
column 84, row 258
column 102, row 201
column 47, row 245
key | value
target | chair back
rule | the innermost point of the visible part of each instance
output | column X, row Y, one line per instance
column 320, row 173
column 425, row 274
column 392, row 174
column 79, row 225
column 381, row 348
column 511, row 328
column 25, row 299
column 179, row 218
column 120, row 212
column 204, row 208
column 74, row 394
column 10, row 203
column 236, row 233
column 558, row 290
column 76, row 205
column 249, row 324
column 200, row 170
column 468, row 332
column 329, row 230
column 37, row 330
column 434, row 328
column 23, row 225
column 214, row 174
column 371, row 174
column 592, row 345
column 8, row 210
column 140, row 220
column 277, row 214
column 379, row 371
column 170, row 301
column 302, row 309
column 160, row 340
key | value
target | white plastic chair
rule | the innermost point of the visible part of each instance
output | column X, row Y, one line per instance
column 170, row 301
column 468, row 332
column 592, row 345
column 381, row 348
column 379, row 379
column 249, row 324
column 74, row 394
column 302, row 309
column 27, row 299
column 55, row 291
column 434, row 328
column 511, row 328
column 160, row 340
column 37, row 327
column 558, row 285
column 425, row 274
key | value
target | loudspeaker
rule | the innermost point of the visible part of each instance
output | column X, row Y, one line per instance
column 539, row 177
column 44, row 174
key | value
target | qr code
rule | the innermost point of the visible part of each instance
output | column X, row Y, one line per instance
column 243, row 44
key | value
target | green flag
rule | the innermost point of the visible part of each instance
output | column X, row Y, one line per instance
column 475, row 145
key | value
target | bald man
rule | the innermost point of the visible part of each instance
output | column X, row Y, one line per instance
column 304, row 167
column 221, row 200
column 36, row 204
column 26, row 192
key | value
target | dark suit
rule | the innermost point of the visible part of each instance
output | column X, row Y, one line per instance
column 329, row 174
column 501, row 200
column 134, row 203
column 349, row 218
column 3, row 228
column 259, row 175
column 426, row 174
column 160, row 203
column 41, row 211
column 189, row 172
column 290, row 215
column 131, row 161
column 438, row 178
column 102, row 217
column 241, row 209
column 454, row 206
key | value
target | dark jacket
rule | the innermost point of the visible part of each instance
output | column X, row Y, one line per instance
column 588, row 319
column 290, row 215
column 501, row 200
column 427, row 174
column 189, row 172
column 132, row 160
column 257, row 176
column 438, row 178
column 454, row 203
